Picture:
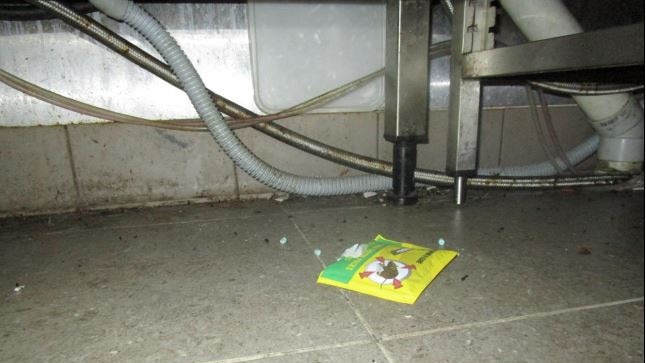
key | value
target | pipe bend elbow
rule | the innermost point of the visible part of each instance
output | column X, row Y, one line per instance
column 116, row 9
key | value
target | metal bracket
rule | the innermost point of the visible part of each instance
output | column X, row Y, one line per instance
column 608, row 48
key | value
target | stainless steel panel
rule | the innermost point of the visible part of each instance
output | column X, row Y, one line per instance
column 55, row 56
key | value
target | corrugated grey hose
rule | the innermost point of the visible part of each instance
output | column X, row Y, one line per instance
column 576, row 155
column 192, row 84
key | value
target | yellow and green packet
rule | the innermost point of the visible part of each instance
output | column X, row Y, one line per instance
column 390, row 270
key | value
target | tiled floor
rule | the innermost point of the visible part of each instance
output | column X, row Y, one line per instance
column 541, row 277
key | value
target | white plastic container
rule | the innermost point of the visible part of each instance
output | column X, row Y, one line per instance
column 300, row 50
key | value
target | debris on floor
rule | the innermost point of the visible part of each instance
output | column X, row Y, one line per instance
column 18, row 287
column 282, row 198
column 317, row 252
column 584, row 250
column 369, row 194
column 354, row 251
column 441, row 242
column 283, row 240
column 387, row 269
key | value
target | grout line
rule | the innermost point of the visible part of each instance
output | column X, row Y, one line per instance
column 326, row 209
column 160, row 224
column 368, row 328
column 70, row 154
column 358, row 314
column 510, row 319
column 250, row 358
column 300, row 231
column 378, row 116
column 236, row 180
column 420, row 333
column 570, row 105
column 501, row 141
column 208, row 220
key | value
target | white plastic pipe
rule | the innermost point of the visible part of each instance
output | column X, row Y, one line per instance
column 618, row 118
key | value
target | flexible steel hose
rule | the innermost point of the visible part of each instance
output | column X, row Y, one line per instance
column 424, row 176
column 146, row 61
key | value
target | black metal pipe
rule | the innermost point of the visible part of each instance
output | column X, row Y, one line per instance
column 404, row 163
column 20, row 11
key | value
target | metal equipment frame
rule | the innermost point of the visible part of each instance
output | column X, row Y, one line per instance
column 474, row 59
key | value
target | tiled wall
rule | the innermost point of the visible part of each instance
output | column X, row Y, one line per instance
column 50, row 169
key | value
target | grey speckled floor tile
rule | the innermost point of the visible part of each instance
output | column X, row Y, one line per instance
column 551, row 276
column 609, row 334
column 520, row 253
column 171, row 293
column 139, row 217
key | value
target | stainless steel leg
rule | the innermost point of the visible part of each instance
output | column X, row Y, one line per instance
column 406, row 114
column 471, row 22
column 460, row 190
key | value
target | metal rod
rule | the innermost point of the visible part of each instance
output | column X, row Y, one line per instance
column 460, row 190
